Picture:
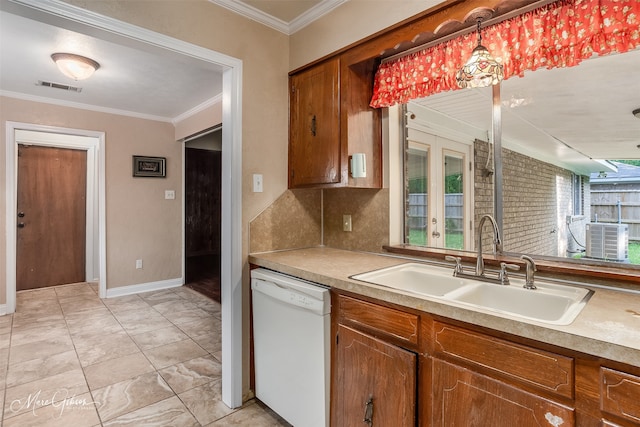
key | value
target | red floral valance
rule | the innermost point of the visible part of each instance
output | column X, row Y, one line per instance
column 561, row 34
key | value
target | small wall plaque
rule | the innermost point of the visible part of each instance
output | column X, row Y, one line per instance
column 144, row 166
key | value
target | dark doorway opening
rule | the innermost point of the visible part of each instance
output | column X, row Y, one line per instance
column 203, row 188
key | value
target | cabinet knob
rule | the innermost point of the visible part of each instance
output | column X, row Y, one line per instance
column 368, row 411
column 313, row 125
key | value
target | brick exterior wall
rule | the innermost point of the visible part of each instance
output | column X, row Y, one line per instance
column 536, row 202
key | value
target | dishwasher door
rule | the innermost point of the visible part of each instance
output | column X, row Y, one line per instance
column 291, row 332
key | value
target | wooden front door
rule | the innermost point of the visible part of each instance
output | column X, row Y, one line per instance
column 51, row 216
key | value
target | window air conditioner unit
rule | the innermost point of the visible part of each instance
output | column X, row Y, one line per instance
column 608, row 241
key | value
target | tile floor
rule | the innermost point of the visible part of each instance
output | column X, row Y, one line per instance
column 68, row 358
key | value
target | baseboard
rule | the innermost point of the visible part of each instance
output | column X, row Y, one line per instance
column 3, row 309
column 144, row 287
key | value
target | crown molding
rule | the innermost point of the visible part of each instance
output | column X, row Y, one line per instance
column 316, row 12
column 62, row 10
column 74, row 14
column 288, row 28
column 198, row 108
column 79, row 105
column 173, row 120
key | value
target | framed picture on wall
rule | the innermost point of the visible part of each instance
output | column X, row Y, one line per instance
column 144, row 166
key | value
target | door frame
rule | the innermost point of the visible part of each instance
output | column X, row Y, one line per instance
column 78, row 139
column 60, row 13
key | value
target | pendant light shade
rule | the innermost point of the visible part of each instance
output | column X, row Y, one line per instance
column 75, row 67
column 481, row 70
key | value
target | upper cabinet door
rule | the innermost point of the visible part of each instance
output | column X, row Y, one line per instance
column 314, row 129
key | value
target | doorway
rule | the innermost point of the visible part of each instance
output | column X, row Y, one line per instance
column 232, row 253
column 202, row 212
column 51, row 217
column 438, row 192
column 87, row 142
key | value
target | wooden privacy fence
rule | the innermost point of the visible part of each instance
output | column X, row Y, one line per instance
column 453, row 211
column 604, row 204
column 607, row 205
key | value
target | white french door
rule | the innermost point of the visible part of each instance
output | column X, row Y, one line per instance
column 438, row 192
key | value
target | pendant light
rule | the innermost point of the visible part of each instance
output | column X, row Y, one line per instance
column 74, row 66
column 481, row 70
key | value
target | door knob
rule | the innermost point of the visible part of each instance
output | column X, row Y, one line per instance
column 21, row 225
column 20, row 214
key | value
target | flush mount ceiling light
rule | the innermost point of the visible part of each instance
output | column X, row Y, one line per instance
column 481, row 70
column 75, row 67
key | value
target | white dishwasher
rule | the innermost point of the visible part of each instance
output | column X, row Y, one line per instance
column 291, row 333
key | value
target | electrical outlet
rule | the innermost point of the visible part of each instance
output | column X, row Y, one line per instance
column 346, row 222
column 138, row 264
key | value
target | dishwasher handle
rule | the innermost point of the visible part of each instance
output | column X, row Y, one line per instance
column 289, row 296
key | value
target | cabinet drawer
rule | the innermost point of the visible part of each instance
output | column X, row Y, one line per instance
column 547, row 371
column 463, row 397
column 620, row 394
column 378, row 320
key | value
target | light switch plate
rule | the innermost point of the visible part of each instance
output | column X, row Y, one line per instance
column 257, row 183
column 169, row 194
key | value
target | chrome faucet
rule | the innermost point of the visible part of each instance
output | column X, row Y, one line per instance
column 502, row 277
column 531, row 268
column 497, row 243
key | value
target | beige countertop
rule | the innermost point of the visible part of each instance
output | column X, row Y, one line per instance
column 608, row 326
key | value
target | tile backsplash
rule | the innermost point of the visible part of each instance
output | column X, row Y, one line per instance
column 294, row 220
column 369, row 210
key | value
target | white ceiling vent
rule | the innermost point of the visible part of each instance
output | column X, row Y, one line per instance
column 59, row 86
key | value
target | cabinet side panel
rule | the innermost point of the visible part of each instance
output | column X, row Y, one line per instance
column 361, row 124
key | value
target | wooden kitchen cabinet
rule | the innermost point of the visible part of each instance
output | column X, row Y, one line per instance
column 375, row 380
column 479, row 378
column 619, row 397
column 315, row 152
column 329, row 120
column 463, row 397
column 423, row 370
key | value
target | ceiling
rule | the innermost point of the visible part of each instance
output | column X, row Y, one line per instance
column 565, row 116
column 134, row 78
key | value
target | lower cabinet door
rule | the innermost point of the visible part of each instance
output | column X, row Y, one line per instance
column 462, row 397
column 375, row 382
